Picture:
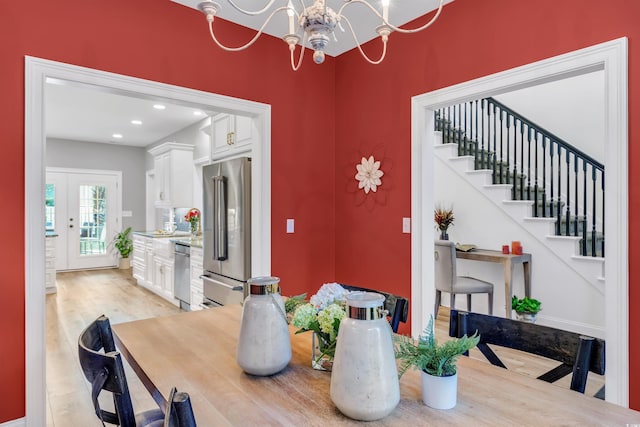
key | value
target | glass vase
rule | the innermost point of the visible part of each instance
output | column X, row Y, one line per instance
column 319, row 359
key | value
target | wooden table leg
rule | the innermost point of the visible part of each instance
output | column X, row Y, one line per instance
column 507, row 287
column 527, row 278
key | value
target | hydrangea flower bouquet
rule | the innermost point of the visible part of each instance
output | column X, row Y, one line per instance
column 322, row 315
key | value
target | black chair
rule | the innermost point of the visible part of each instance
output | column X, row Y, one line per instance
column 104, row 370
column 578, row 354
column 396, row 306
column 179, row 412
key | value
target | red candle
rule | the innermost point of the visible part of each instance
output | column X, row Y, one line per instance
column 505, row 249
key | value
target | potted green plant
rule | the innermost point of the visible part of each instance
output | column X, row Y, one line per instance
column 123, row 243
column 526, row 308
column 437, row 363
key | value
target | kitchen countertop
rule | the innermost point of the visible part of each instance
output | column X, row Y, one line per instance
column 155, row 234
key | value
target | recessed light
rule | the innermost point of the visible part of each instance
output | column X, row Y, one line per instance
column 198, row 113
column 159, row 107
column 136, row 122
column 117, row 135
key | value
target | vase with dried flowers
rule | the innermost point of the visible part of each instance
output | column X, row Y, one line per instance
column 444, row 219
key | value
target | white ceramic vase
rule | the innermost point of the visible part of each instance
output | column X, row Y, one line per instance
column 439, row 392
column 264, row 346
column 364, row 378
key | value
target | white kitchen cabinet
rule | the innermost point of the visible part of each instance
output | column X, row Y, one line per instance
column 196, row 269
column 50, row 264
column 231, row 134
column 153, row 267
column 173, row 174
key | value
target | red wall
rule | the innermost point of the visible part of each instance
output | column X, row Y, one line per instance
column 166, row 42
column 471, row 39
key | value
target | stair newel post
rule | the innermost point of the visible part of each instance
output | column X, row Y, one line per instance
column 544, row 175
column 509, row 120
column 483, row 133
column 584, row 206
column 501, row 146
column 575, row 194
column 495, row 140
column 558, row 212
column 568, row 210
column 475, row 139
column 594, row 217
column 528, row 162
column 551, row 196
column 521, row 160
column 535, row 166
column 594, row 176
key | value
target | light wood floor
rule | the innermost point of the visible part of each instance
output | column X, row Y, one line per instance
column 83, row 296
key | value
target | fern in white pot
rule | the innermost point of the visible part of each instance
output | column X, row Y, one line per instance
column 437, row 363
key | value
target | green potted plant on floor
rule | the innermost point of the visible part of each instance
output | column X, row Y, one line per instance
column 123, row 243
column 526, row 308
column 437, row 363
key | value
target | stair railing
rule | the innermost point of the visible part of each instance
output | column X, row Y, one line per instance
column 562, row 181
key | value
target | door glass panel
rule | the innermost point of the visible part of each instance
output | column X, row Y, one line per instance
column 92, row 219
column 50, row 207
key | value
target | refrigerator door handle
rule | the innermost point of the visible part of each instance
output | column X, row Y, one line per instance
column 233, row 288
column 220, row 218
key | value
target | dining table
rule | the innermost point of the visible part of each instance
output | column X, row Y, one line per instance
column 196, row 352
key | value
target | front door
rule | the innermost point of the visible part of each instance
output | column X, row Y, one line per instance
column 82, row 208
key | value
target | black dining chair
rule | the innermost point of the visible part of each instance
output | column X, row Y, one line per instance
column 577, row 354
column 396, row 306
column 179, row 412
column 105, row 371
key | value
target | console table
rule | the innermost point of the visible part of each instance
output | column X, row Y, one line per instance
column 508, row 261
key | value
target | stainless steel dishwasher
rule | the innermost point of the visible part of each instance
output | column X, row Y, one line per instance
column 182, row 276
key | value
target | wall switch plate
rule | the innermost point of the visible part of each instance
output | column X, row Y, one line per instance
column 406, row 225
column 290, row 225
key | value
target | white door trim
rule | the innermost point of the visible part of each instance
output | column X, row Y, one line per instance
column 610, row 57
column 36, row 72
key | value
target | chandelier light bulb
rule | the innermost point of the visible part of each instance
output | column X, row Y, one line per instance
column 317, row 23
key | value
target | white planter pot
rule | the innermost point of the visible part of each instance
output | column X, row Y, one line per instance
column 439, row 392
column 124, row 263
column 527, row 317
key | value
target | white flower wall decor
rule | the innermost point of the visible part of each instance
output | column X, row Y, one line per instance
column 369, row 174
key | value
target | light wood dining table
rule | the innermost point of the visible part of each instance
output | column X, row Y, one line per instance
column 196, row 352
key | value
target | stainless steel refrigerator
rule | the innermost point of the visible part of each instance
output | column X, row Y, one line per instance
column 226, row 234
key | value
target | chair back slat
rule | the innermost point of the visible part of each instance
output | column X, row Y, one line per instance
column 397, row 306
column 577, row 353
column 179, row 412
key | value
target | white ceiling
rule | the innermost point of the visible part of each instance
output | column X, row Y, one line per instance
column 363, row 20
column 90, row 113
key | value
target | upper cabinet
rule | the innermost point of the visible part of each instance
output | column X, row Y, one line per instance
column 231, row 134
column 173, row 174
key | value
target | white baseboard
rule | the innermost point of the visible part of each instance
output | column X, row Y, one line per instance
column 21, row 422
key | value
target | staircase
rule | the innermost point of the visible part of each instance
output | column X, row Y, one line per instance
column 553, row 189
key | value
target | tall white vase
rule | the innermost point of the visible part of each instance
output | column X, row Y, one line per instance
column 439, row 392
column 364, row 378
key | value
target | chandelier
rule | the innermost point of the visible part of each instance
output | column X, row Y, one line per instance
column 314, row 24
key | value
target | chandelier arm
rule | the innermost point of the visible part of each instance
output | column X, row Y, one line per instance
column 364, row 55
column 252, row 41
column 249, row 12
column 386, row 22
column 294, row 66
